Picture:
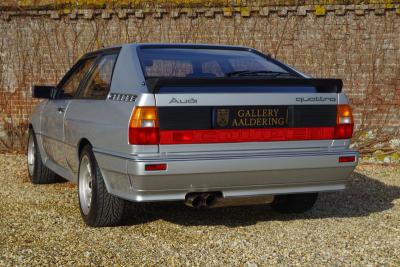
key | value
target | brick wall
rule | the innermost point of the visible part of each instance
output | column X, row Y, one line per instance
column 358, row 43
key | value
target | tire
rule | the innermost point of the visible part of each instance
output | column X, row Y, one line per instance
column 98, row 208
column 296, row 203
column 38, row 172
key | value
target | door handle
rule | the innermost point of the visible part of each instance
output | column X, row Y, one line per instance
column 60, row 110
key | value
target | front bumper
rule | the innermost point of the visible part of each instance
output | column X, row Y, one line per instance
column 243, row 174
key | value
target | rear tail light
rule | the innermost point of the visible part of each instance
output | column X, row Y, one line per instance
column 344, row 122
column 143, row 126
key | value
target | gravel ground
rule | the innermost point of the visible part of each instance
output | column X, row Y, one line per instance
column 41, row 225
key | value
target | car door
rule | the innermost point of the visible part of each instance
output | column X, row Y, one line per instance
column 53, row 115
column 89, row 116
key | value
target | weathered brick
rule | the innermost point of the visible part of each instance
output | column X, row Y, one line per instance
column 348, row 42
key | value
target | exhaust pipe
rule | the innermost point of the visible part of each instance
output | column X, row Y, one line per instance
column 197, row 200
column 209, row 199
column 194, row 200
column 215, row 200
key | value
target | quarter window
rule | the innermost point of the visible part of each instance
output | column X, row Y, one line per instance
column 98, row 84
column 68, row 89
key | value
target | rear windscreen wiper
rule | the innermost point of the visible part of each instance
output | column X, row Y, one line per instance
column 257, row 73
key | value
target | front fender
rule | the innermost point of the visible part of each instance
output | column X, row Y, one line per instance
column 36, row 115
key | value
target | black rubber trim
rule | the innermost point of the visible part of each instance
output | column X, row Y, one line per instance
column 321, row 85
column 185, row 118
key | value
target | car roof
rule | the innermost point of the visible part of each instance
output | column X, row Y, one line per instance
column 128, row 73
column 189, row 45
column 171, row 45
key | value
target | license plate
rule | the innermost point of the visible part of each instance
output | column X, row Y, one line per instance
column 250, row 117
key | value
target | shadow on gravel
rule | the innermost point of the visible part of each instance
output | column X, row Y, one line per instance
column 363, row 196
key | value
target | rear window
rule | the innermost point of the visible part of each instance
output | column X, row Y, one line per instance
column 200, row 63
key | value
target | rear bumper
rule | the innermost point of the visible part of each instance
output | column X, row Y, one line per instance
column 235, row 175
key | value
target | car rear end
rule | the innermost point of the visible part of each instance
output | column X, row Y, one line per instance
column 234, row 123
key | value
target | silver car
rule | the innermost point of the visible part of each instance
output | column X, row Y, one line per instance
column 205, row 124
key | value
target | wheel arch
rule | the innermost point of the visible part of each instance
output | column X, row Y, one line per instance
column 39, row 141
column 81, row 144
column 31, row 128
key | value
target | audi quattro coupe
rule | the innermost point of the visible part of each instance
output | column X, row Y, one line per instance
column 208, row 125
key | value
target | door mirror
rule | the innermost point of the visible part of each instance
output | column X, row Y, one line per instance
column 44, row 91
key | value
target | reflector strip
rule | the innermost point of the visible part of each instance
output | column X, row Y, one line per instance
column 347, row 159
column 155, row 167
column 168, row 137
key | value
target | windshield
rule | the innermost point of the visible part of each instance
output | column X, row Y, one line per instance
column 205, row 63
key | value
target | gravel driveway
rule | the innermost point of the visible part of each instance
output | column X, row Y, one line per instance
column 41, row 225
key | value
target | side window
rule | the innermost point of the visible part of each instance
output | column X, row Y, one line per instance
column 98, row 84
column 68, row 89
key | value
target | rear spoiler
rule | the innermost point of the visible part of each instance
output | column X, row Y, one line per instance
column 321, row 85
